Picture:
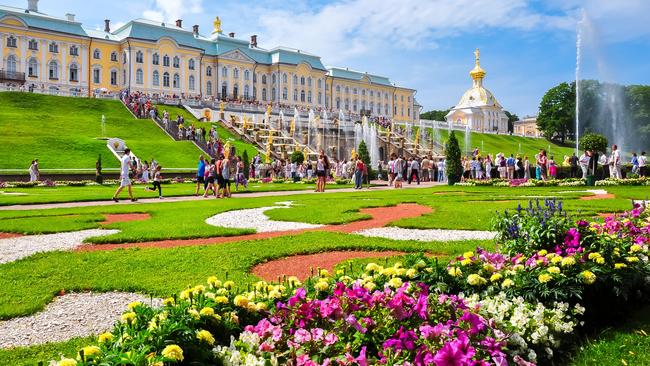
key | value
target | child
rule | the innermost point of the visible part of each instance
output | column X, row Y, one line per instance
column 156, row 182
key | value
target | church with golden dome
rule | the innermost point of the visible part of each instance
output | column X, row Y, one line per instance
column 478, row 108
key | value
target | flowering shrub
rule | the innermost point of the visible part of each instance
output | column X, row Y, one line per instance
column 47, row 183
column 643, row 181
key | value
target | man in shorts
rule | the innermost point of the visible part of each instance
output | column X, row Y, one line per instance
column 125, row 181
column 200, row 180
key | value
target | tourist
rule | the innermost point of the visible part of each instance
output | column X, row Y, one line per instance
column 380, row 170
column 488, row 167
column 398, row 169
column 33, row 171
column 310, row 170
column 226, row 166
column 415, row 171
column 322, row 165
column 200, row 175
column 502, row 164
column 520, row 168
column 211, row 172
column 542, row 163
column 615, row 163
column 425, row 169
column 643, row 161
column 358, row 174
column 604, row 162
column 433, row 170
column 635, row 164
column 584, row 163
column 472, row 168
column 125, row 180
column 552, row 168
column 145, row 172
column 526, row 168
column 218, row 171
column 441, row 170
column 479, row 168
column 573, row 163
column 156, row 182
column 391, row 170
column 467, row 168
column 510, row 164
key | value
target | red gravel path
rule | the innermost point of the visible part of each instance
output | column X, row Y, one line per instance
column 380, row 217
column 9, row 235
column 113, row 218
column 598, row 197
column 301, row 265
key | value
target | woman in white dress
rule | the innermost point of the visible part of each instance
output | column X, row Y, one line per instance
column 145, row 172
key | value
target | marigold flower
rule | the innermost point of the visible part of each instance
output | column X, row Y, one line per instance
column 553, row 269
column 134, row 305
column 466, row 262
column 588, row 277
column 488, row 267
column 128, row 317
column 635, row 248
column 468, row 255
column 619, row 265
column 67, row 362
column 395, row 282
column 323, row 272
column 495, row 277
column 105, row 337
column 475, row 280
column 228, row 285
column 321, row 286
column 221, row 300
column 260, row 306
column 241, row 301
column 214, row 282
column 556, row 260
column 198, row 289
column 91, row 351
column 207, row 312
column 518, row 267
column 370, row 286
column 455, row 272
column 507, row 283
column 411, row 273
column 632, row 259
column 568, row 261
column 168, row 301
column 173, row 352
column 195, row 314
column 205, row 336
column 293, row 281
column 544, row 277
column 542, row 252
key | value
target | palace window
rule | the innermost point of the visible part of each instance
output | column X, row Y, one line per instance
column 273, row 78
column 224, row 72
column 372, row 93
column 309, row 97
column 139, row 77
column 177, row 81
column 166, row 80
column 378, row 108
column 124, row 56
column 320, row 83
column 74, row 73
column 97, row 76
column 190, row 64
column 338, row 88
column 208, row 89
column 177, row 62
column 54, row 70
column 235, row 91
column 354, row 105
column 191, row 82
column 285, row 93
column 254, row 92
column 74, row 50
column 386, row 109
column 155, row 59
column 156, row 78
column 295, row 95
column 309, row 82
column 264, row 81
column 208, row 71
column 11, row 41
column 338, row 103
column 114, row 56
column 247, row 75
column 302, row 96
column 273, row 94
column 347, row 104
column 166, row 61
column 363, row 92
column 113, row 77
column 320, row 98
column 295, row 80
column 246, row 91
column 347, row 90
column 284, row 78
column 139, row 57
column 33, row 44
column 302, row 80
column 96, row 54
column 11, row 63
column 354, row 91
column 264, row 94
column 33, row 67
column 235, row 73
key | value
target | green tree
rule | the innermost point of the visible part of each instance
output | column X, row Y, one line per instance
column 454, row 167
column 434, row 115
column 246, row 160
column 297, row 157
column 639, row 107
column 511, row 121
column 557, row 112
column 593, row 142
column 364, row 155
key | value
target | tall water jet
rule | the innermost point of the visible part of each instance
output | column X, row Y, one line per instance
column 468, row 147
column 580, row 24
column 324, row 135
column 298, row 130
column 310, row 124
column 281, row 121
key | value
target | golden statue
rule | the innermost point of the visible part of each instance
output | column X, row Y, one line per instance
column 217, row 25
column 292, row 127
column 353, row 154
column 417, row 137
column 304, row 153
column 226, row 150
column 268, row 154
column 268, row 109
column 270, row 138
column 222, row 106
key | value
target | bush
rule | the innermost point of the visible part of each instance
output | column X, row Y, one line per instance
column 593, row 142
column 246, row 161
column 454, row 167
column 297, row 157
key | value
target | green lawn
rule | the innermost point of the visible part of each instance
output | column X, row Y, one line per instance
column 494, row 144
column 62, row 132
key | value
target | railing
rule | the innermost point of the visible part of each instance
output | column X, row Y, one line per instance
column 55, row 91
column 12, row 76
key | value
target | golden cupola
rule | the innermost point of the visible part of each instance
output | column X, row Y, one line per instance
column 477, row 72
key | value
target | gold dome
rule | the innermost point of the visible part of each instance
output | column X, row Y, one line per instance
column 477, row 72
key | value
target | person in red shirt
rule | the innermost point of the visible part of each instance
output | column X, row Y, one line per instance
column 358, row 174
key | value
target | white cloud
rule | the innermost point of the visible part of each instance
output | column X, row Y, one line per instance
column 170, row 10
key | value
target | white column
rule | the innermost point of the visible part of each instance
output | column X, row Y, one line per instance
column 182, row 87
column 63, row 76
column 85, row 66
column 23, row 51
column 44, row 69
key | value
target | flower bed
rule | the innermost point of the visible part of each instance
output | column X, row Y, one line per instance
column 517, row 306
column 496, row 182
column 643, row 181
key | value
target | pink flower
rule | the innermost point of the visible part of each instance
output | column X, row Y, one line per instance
column 455, row 353
column 302, row 336
column 317, row 334
column 330, row 339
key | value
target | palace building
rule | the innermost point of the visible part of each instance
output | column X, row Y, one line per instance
column 478, row 108
column 60, row 54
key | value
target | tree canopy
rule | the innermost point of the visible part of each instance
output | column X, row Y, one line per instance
column 435, row 115
column 557, row 112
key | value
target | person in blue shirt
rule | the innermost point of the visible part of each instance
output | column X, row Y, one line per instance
column 510, row 164
column 200, row 180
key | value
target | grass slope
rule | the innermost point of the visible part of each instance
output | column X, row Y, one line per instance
column 61, row 132
column 493, row 144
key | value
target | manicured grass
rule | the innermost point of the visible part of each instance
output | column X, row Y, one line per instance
column 30, row 356
column 493, row 144
column 62, row 132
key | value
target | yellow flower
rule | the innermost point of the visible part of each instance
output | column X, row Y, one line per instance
column 556, row 260
column 488, row 267
column 128, row 317
column 221, row 300
column 455, row 272
column 67, row 362
column 370, row 286
column 632, row 259
column 205, row 336
column 372, row 267
column 551, row 256
column 507, row 283
column 466, row 262
column 168, row 301
column 260, row 306
column 210, row 295
column 553, row 269
column 542, row 252
column 475, row 280
column 411, row 273
column 185, row 294
column 324, row 273
column 588, row 277
column 214, row 282
column 468, row 255
column 275, row 294
column 495, row 277
column 321, row 286
column 518, row 267
column 91, row 351
column 241, row 301
column 620, row 265
column 293, row 281
column 134, row 305
column 173, row 352
column 195, row 314
column 199, row 289
column 234, row 318
column 228, row 285
column 395, row 282
column 593, row 255
column 568, row 261
column 544, row 277
column 207, row 312
column 105, row 337
column 635, row 248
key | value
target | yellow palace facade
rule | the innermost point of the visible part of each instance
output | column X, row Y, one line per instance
column 44, row 52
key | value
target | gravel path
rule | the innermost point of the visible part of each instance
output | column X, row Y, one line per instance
column 12, row 249
column 397, row 233
column 68, row 316
column 255, row 218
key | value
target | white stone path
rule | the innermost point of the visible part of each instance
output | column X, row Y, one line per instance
column 398, row 233
column 12, row 249
column 254, row 218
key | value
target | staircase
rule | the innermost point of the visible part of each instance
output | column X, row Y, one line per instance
column 407, row 147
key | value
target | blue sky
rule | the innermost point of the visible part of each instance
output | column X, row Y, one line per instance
column 526, row 46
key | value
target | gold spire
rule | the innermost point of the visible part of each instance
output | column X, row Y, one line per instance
column 477, row 72
column 217, row 25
